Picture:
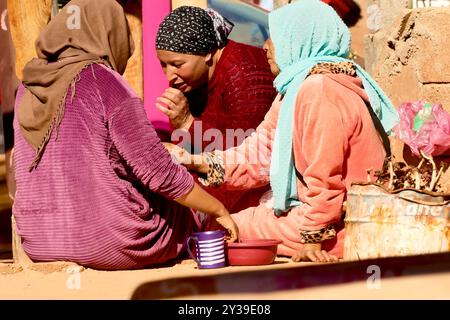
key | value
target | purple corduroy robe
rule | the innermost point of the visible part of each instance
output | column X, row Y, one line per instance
column 102, row 193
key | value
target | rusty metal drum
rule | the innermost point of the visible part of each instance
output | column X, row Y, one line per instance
column 382, row 223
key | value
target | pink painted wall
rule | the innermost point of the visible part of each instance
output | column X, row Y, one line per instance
column 155, row 82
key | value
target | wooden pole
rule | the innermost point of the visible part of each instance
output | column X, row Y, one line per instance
column 134, row 72
column 26, row 20
column 19, row 255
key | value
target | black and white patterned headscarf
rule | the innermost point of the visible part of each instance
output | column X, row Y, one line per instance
column 193, row 30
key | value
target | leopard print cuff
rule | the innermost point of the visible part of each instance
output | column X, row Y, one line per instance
column 347, row 68
column 216, row 170
column 317, row 236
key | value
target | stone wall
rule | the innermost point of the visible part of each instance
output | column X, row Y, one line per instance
column 409, row 57
column 380, row 15
column 411, row 61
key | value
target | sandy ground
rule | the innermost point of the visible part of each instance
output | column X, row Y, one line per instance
column 61, row 281
column 56, row 280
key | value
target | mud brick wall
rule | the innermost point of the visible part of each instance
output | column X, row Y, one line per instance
column 411, row 58
column 380, row 16
column 408, row 53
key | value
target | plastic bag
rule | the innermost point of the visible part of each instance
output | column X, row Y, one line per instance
column 424, row 127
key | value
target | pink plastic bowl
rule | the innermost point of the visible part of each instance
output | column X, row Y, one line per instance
column 252, row 252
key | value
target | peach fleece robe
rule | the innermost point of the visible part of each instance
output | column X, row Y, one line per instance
column 334, row 142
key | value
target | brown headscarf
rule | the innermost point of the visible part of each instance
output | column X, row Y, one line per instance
column 63, row 51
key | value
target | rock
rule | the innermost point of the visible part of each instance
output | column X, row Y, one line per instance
column 9, row 268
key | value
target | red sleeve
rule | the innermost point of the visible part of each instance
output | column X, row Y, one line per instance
column 244, row 98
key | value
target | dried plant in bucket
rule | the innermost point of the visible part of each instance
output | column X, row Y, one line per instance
column 398, row 175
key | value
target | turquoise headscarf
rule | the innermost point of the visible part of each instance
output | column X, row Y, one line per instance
column 305, row 33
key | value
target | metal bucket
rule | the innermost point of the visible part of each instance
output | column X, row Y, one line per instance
column 382, row 223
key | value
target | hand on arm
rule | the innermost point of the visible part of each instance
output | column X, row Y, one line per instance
column 245, row 166
column 193, row 162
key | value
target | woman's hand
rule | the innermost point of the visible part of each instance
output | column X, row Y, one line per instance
column 312, row 252
column 228, row 223
column 176, row 108
column 201, row 200
column 180, row 155
column 190, row 161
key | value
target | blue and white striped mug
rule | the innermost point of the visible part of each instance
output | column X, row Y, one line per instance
column 209, row 249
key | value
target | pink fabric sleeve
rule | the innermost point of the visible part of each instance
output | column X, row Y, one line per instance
column 320, row 144
column 247, row 165
column 138, row 144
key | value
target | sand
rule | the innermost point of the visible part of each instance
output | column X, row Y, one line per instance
column 63, row 281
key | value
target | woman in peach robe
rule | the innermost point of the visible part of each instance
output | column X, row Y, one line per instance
column 318, row 137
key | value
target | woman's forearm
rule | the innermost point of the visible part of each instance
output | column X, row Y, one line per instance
column 201, row 200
